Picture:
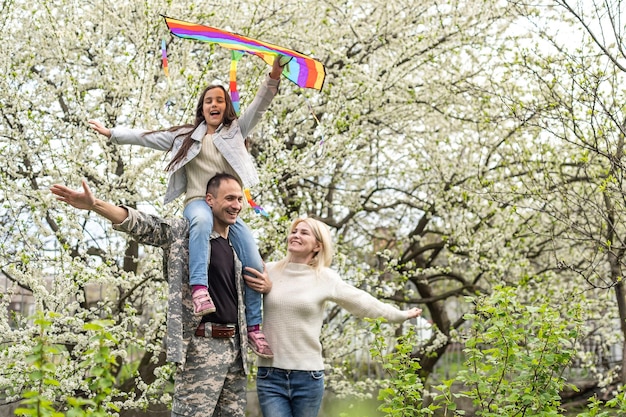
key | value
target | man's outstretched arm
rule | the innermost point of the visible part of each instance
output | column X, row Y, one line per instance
column 85, row 200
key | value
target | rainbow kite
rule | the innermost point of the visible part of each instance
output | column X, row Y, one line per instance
column 301, row 69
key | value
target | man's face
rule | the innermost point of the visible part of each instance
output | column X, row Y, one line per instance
column 228, row 202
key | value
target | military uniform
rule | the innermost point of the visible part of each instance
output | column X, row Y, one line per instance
column 211, row 372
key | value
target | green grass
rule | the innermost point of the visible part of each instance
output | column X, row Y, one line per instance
column 334, row 407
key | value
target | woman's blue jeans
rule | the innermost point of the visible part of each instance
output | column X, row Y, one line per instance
column 284, row 393
column 200, row 219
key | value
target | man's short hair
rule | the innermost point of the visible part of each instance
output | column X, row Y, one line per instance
column 214, row 183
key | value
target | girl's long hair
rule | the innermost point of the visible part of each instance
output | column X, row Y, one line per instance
column 188, row 129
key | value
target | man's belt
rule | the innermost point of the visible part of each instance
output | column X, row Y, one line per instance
column 215, row 330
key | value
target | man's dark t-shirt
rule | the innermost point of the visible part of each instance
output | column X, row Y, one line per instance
column 222, row 286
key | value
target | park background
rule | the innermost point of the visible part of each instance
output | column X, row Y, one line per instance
column 468, row 157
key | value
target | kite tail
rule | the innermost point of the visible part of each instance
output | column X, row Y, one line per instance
column 166, row 69
column 316, row 119
column 164, row 59
column 234, row 94
column 257, row 209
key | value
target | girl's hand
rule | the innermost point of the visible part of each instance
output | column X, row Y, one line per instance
column 277, row 68
column 99, row 127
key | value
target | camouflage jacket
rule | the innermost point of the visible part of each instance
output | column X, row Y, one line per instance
column 172, row 235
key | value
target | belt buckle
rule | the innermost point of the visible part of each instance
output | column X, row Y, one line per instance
column 217, row 331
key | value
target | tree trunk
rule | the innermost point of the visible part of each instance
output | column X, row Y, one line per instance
column 621, row 306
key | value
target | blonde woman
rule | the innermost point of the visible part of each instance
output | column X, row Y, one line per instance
column 292, row 383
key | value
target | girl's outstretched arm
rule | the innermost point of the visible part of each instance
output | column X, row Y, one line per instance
column 100, row 128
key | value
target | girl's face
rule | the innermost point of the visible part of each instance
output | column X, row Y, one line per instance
column 302, row 244
column 213, row 108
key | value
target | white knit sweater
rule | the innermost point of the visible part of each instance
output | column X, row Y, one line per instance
column 293, row 313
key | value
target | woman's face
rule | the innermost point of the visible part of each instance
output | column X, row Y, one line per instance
column 213, row 108
column 301, row 242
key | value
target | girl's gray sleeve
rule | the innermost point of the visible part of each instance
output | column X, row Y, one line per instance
column 254, row 112
column 161, row 140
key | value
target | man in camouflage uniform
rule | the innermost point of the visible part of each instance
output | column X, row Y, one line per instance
column 211, row 373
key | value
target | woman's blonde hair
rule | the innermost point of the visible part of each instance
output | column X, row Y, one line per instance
column 320, row 230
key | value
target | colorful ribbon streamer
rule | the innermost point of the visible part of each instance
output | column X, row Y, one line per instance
column 166, row 70
column 164, row 59
column 257, row 209
column 234, row 94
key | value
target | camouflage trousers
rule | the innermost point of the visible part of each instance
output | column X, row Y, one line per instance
column 212, row 382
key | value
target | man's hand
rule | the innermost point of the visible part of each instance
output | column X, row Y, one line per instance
column 83, row 201
column 258, row 281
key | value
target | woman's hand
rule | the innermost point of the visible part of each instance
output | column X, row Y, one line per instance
column 414, row 312
column 258, row 281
